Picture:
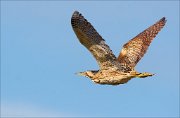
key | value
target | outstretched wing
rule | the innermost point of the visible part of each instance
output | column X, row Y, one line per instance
column 90, row 38
column 135, row 49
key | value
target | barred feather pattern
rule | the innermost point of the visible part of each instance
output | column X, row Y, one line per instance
column 135, row 49
column 90, row 38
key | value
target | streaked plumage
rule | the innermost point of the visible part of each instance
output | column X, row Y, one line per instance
column 113, row 70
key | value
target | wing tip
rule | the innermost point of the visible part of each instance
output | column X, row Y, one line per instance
column 76, row 16
column 163, row 19
column 76, row 13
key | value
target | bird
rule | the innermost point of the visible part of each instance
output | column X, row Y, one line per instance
column 114, row 70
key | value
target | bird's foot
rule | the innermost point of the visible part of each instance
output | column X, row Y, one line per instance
column 145, row 74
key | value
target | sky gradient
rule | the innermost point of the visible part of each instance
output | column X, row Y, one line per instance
column 40, row 55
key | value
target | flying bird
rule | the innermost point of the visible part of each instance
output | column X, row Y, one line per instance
column 114, row 70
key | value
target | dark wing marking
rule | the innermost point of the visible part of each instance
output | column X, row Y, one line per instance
column 90, row 38
column 135, row 49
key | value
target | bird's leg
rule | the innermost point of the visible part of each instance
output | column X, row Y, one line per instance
column 143, row 75
column 134, row 73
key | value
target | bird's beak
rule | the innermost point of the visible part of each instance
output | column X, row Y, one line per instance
column 80, row 73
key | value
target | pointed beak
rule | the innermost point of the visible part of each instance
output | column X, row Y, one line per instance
column 80, row 74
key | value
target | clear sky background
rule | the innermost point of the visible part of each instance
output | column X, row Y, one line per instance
column 40, row 55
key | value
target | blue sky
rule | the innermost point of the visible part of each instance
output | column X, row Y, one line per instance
column 40, row 55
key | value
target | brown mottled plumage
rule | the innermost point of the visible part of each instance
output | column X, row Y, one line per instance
column 135, row 49
column 114, row 70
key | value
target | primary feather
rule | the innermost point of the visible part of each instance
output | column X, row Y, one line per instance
column 135, row 49
column 90, row 38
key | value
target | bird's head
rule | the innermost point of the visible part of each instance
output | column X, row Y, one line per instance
column 89, row 74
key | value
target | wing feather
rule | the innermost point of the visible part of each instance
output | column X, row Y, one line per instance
column 135, row 49
column 90, row 38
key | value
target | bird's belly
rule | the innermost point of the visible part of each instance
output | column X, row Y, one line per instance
column 113, row 80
